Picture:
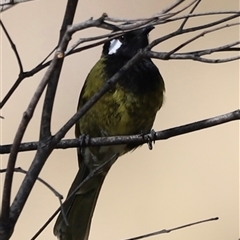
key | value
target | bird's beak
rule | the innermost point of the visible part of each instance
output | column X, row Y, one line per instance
column 145, row 30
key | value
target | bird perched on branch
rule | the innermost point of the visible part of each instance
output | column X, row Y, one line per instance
column 130, row 107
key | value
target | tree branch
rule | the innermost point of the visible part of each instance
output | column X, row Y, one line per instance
column 13, row 48
column 92, row 173
column 202, row 34
column 192, row 10
column 6, row 4
column 20, row 170
column 191, row 29
column 172, row 229
column 24, row 75
column 160, row 18
column 45, row 129
column 136, row 139
column 185, row 56
column 50, row 77
column 17, row 140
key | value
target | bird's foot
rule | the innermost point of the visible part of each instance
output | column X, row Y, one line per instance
column 84, row 140
column 151, row 137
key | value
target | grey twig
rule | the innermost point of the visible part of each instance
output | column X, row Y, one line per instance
column 14, row 48
column 172, row 229
column 20, row 170
column 93, row 173
column 6, row 4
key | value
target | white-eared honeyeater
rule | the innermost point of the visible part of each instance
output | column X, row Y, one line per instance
column 128, row 108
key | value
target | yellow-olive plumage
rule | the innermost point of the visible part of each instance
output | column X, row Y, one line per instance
column 128, row 108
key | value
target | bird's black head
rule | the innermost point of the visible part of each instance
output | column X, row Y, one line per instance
column 128, row 44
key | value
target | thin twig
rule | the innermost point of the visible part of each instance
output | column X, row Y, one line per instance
column 24, row 75
column 6, row 4
column 162, row 20
column 45, row 59
column 20, row 170
column 227, row 47
column 107, row 37
column 11, row 91
column 202, row 34
column 187, row 30
column 14, row 48
column 201, row 59
column 194, row 15
column 63, row 213
column 172, row 229
column 93, row 173
column 183, row 56
column 171, row 7
column 192, row 10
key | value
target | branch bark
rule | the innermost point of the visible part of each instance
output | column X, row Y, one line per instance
column 6, row 4
column 139, row 138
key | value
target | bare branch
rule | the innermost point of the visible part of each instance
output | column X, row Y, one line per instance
column 137, row 139
column 174, row 5
column 106, row 37
column 13, row 47
column 6, row 4
column 50, row 78
column 194, row 15
column 63, row 213
column 157, row 19
column 18, row 138
column 191, row 29
column 161, row 17
column 45, row 129
column 24, row 75
column 93, row 173
column 172, row 229
column 223, row 48
column 20, row 170
column 11, row 91
column 202, row 34
column 186, row 56
column 184, row 8
column 192, row 10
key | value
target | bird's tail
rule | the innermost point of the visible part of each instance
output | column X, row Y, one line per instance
column 79, row 208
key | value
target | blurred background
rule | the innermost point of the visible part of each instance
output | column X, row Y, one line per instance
column 183, row 179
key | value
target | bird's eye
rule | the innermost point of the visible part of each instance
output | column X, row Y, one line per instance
column 121, row 38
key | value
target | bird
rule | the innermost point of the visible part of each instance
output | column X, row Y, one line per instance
column 130, row 107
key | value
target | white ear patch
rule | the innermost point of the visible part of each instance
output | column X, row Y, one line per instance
column 115, row 44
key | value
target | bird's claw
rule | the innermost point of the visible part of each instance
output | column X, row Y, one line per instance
column 151, row 137
column 84, row 140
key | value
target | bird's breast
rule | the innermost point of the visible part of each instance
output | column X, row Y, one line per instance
column 130, row 107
